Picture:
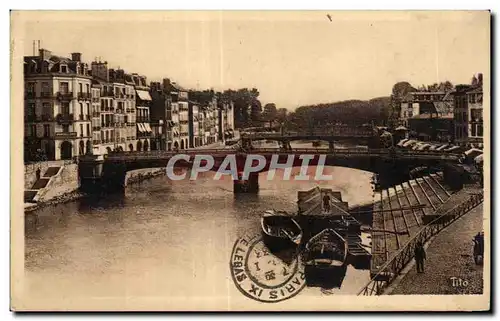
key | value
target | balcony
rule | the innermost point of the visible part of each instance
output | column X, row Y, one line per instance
column 65, row 135
column 96, row 127
column 64, row 96
column 84, row 96
column 96, row 114
column 47, row 118
column 119, row 95
column 46, row 95
column 65, row 118
column 142, row 119
column 30, row 118
column 84, row 117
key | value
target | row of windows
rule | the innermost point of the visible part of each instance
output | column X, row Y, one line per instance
column 63, row 87
column 475, row 98
column 63, row 68
column 84, row 130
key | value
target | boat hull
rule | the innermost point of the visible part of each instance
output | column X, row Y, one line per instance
column 280, row 232
column 277, row 244
column 326, row 250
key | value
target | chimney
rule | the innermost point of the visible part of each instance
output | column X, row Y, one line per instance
column 76, row 56
column 44, row 54
column 166, row 83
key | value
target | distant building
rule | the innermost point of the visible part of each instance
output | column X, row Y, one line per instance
column 57, row 106
column 178, row 107
column 195, row 137
column 422, row 102
column 468, row 115
column 207, row 115
column 226, row 119
column 117, row 108
column 432, row 127
column 142, row 110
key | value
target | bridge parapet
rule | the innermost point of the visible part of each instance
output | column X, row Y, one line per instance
column 347, row 152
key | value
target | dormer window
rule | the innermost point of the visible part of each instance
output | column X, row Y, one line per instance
column 78, row 69
column 64, row 68
column 33, row 67
column 45, row 66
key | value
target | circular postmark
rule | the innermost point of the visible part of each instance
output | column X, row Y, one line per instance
column 262, row 276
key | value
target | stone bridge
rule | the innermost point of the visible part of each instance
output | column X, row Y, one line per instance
column 109, row 173
column 361, row 135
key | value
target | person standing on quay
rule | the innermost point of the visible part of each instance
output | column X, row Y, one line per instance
column 420, row 256
column 38, row 171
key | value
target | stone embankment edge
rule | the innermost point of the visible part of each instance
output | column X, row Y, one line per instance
column 131, row 179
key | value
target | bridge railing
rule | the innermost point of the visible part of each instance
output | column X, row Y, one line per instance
column 393, row 267
column 335, row 130
column 325, row 151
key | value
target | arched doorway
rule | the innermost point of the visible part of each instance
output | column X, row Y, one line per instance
column 88, row 148
column 66, row 150
column 176, row 145
column 146, row 145
column 139, row 146
column 182, row 144
column 81, row 149
column 131, row 147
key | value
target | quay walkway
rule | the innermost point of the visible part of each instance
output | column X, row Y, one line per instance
column 401, row 211
column 450, row 267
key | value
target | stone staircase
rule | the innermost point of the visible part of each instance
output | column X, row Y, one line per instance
column 32, row 195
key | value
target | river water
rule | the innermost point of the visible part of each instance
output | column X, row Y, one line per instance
column 163, row 239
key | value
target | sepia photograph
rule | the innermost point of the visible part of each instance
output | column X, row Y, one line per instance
column 250, row 160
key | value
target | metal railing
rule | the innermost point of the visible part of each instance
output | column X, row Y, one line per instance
column 393, row 267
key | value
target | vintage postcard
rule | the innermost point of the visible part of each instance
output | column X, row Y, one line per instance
column 250, row 161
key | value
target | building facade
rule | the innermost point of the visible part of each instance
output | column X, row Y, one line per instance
column 475, row 114
column 143, row 103
column 57, row 106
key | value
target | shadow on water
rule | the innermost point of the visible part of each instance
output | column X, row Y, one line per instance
column 325, row 277
column 90, row 202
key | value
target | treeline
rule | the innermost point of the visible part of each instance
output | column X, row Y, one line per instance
column 247, row 107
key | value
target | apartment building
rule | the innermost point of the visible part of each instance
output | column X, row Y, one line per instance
column 96, row 116
column 57, row 106
column 225, row 119
column 468, row 115
column 142, row 104
column 194, row 131
column 178, row 105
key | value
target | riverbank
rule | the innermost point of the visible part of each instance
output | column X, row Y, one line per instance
column 69, row 192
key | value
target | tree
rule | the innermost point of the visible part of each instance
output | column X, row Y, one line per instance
column 269, row 113
column 247, row 107
column 399, row 91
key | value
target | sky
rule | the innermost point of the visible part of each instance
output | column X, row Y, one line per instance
column 292, row 58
